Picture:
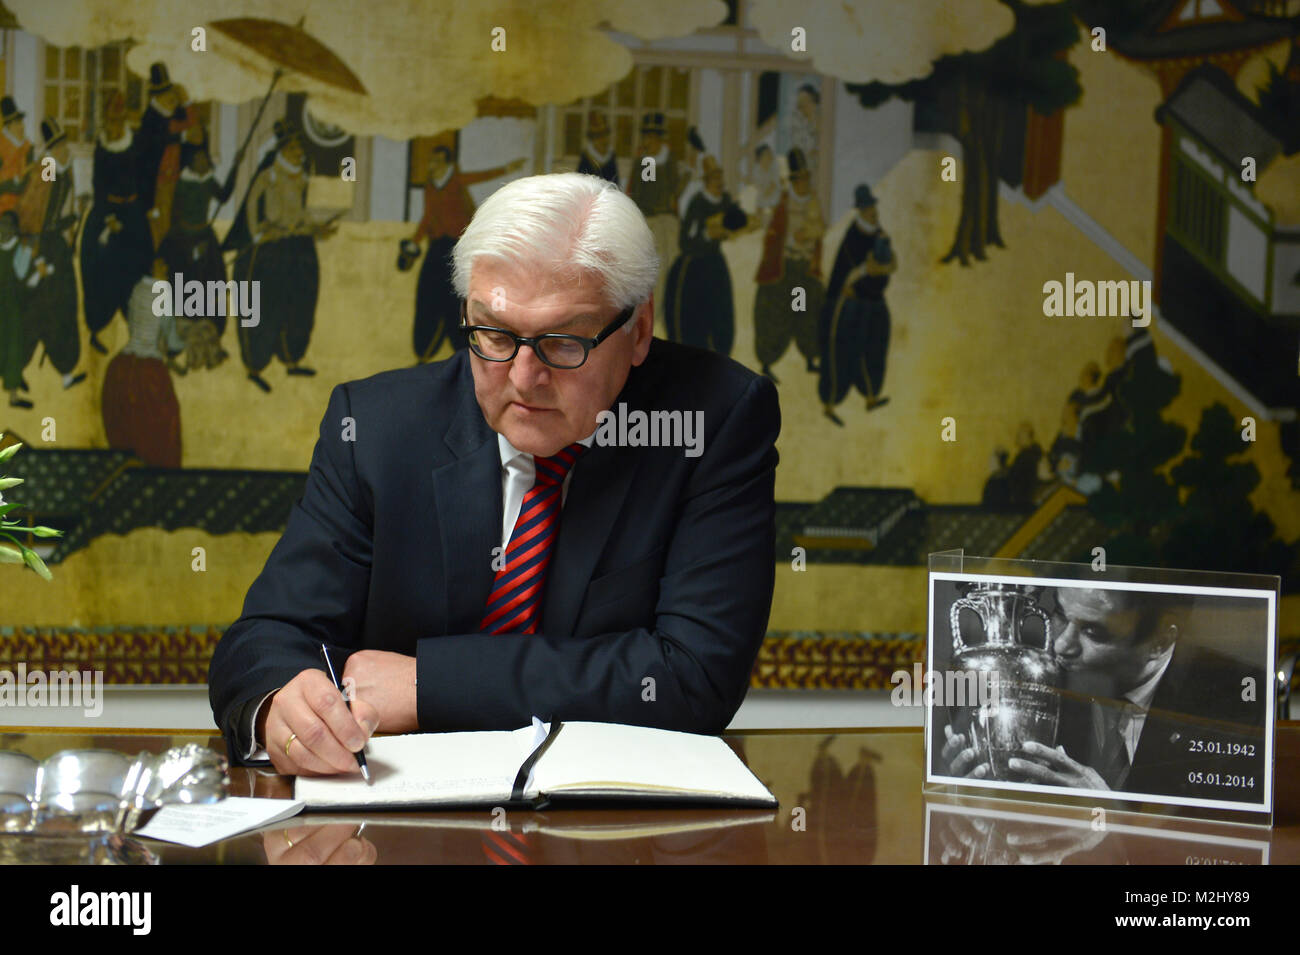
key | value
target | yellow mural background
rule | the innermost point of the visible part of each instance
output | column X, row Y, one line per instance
column 970, row 343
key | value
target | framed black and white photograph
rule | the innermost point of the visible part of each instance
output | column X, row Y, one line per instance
column 1144, row 693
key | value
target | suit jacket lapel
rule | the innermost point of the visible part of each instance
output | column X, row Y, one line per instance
column 597, row 490
column 467, row 493
column 1165, row 714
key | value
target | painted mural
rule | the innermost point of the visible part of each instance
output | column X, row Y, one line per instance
column 1026, row 275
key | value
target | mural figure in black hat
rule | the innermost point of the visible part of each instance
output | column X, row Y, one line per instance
column 789, row 299
column 657, row 197
column 693, row 170
column 190, row 246
column 162, row 127
column 598, row 157
column 276, row 238
column 854, row 328
column 116, row 246
column 13, row 300
column 46, row 220
column 698, row 305
column 15, row 173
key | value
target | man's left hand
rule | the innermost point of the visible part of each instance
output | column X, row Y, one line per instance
column 1052, row 767
column 387, row 682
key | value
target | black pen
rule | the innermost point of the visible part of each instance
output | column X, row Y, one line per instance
column 361, row 753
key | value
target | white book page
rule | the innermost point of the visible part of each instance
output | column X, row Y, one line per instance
column 613, row 758
column 426, row 768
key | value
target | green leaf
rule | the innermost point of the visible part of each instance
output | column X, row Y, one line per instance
column 10, row 555
column 35, row 563
column 9, row 452
column 7, row 483
column 43, row 531
column 6, row 508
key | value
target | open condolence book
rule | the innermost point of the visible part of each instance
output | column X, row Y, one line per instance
column 541, row 764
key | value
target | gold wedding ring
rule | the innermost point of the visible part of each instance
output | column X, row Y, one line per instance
column 286, row 837
column 289, row 742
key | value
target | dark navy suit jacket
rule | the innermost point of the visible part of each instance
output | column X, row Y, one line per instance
column 663, row 567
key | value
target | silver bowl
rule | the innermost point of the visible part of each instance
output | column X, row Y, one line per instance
column 93, row 792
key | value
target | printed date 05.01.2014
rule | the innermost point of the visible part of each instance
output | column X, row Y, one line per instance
column 1229, row 780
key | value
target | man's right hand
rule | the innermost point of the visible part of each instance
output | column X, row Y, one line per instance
column 328, row 736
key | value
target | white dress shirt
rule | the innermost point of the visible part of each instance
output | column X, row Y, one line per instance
column 518, row 472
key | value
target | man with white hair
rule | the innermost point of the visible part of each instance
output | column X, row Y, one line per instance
column 479, row 542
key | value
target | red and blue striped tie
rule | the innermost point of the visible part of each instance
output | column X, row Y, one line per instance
column 514, row 605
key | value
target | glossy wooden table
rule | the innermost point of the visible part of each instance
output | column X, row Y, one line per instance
column 850, row 796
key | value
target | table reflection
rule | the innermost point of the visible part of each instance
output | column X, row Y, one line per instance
column 563, row 837
column 977, row 832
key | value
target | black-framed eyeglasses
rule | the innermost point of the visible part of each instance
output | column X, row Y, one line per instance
column 554, row 348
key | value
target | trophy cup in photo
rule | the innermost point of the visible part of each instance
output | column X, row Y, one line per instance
column 1023, row 703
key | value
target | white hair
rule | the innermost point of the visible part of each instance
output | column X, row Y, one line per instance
column 570, row 225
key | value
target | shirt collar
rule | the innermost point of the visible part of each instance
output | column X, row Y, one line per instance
column 9, row 136
column 445, row 177
column 509, row 452
column 1142, row 695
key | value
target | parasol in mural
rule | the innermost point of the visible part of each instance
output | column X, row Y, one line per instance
column 291, row 49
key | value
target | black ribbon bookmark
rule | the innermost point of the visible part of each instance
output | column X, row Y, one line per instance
column 521, row 780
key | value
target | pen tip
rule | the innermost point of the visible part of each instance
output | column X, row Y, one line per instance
column 365, row 774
